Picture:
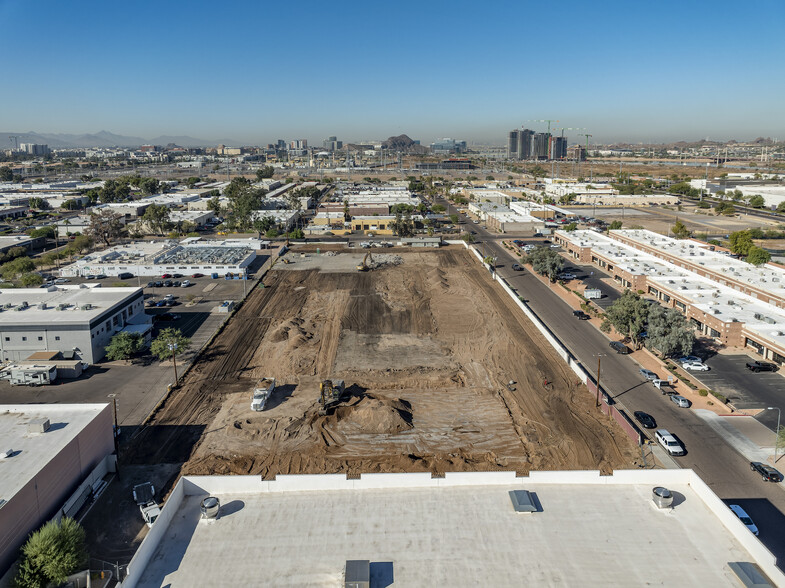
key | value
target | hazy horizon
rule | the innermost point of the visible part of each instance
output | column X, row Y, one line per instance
column 255, row 73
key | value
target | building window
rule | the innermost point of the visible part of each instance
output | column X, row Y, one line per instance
column 713, row 332
column 57, row 337
column 24, row 338
column 40, row 338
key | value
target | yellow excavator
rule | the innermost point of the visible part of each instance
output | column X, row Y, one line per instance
column 331, row 393
column 363, row 266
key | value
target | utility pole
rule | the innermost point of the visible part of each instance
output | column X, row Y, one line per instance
column 173, row 349
column 776, row 431
column 599, row 365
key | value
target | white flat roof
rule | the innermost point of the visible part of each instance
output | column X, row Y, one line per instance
column 33, row 451
column 99, row 298
column 590, row 532
column 14, row 240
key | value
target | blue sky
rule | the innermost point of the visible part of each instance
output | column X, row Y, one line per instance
column 258, row 71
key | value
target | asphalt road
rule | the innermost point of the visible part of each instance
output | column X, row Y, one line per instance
column 726, row 471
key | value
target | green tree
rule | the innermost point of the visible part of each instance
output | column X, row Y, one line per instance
column 758, row 256
column 538, row 171
column 149, row 186
column 266, row 172
column 468, row 237
column 403, row 226
column 546, row 261
column 192, row 181
column 21, row 265
column 105, row 226
column 615, row 225
column 757, row 201
column 39, row 203
column 214, row 204
column 781, row 207
column 669, row 331
column 157, row 217
column 46, row 232
column 6, row 174
column 264, row 224
column 271, row 233
column 741, row 242
column 454, row 219
column 628, row 315
column 123, row 345
column 169, row 343
column 571, row 227
column 438, row 208
column 31, row 279
column 51, row 554
column 244, row 199
column 416, row 185
column 680, row 231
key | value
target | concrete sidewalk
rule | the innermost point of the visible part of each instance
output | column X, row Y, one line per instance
column 734, row 430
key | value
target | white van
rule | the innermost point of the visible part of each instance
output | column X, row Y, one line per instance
column 669, row 442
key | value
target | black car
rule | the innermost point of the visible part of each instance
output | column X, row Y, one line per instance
column 580, row 315
column 168, row 284
column 177, row 275
column 769, row 473
column 761, row 366
column 645, row 419
column 619, row 347
column 176, row 283
column 151, row 284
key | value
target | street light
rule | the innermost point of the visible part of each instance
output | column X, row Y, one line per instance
column 173, row 349
column 776, row 431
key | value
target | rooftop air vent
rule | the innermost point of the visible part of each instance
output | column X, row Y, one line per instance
column 6, row 454
column 662, row 497
column 210, row 507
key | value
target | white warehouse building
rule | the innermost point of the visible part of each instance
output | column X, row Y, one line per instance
column 77, row 321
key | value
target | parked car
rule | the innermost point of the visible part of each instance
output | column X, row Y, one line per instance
column 680, row 401
column 125, row 275
column 648, row 374
column 168, row 284
column 168, row 296
column 567, row 276
column 101, row 276
column 161, row 303
column 159, row 284
column 645, row 419
column 695, row 366
column 177, row 275
column 62, row 281
column 170, row 302
column 619, row 347
column 516, row 267
column 149, row 303
column 669, row 442
column 197, row 275
column 176, row 284
column 90, row 276
column 689, row 359
column 185, row 284
column 769, row 473
column 580, row 315
column 744, row 518
column 755, row 366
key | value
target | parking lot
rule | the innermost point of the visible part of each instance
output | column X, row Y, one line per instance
column 138, row 386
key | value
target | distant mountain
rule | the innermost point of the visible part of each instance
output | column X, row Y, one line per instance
column 404, row 143
column 104, row 139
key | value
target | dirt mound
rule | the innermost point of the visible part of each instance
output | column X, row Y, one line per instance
column 381, row 260
column 373, row 414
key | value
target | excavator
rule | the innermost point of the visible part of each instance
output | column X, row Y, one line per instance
column 331, row 393
column 363, row 266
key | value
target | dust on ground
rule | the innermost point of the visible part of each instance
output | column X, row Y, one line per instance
column 426, row 347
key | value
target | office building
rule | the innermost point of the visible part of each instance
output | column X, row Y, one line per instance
column 332, row 144
column 512, row 144
column 56, row 450
column 557, row 148
column 576, row 153
column 525, row 144
column 540, row 146
column 34, row 148
column 76, row 321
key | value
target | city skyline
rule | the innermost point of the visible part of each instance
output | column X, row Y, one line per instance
column 258, row 73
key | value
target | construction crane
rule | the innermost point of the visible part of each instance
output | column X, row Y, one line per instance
column 15, row 139
column 588, row 136
column 571, row 129
column 363, row 266
column 547, row 120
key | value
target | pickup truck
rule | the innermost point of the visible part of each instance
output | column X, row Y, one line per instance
column 144, row 497
column 761, row 366
column 261, row 393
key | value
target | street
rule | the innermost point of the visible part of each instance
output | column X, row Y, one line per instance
column 725, row 470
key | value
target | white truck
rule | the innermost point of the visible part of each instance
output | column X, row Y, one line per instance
column 592, row 293
column 261, row 393
column 144, row 497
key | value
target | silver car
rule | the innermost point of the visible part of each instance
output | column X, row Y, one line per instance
column 680, row 401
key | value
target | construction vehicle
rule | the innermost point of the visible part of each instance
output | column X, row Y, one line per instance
column 363, row 266
column 261, row 393
column 144, row 497
column 331, row 393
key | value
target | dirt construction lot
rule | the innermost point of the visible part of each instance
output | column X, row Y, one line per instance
column 426, row 345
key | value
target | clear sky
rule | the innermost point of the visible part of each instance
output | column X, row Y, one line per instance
column 256, row 71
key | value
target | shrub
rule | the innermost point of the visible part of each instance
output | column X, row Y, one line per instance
column 719, row 396
column 51, row 554
column 703, row 392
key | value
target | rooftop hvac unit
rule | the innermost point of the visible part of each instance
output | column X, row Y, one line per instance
column 715, row 311
column 87, row 306
column 23, row 304
column 40, row 425
column 42, row 306
column 62, row 306
column 769, row 320
column 758, row 316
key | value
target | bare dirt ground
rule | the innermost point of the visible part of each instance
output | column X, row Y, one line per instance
column 425, row 348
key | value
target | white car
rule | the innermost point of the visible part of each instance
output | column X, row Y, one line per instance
column 744, row 518
column 680, row 401
column 669, row 442
column 61, row 281
column 695, row 366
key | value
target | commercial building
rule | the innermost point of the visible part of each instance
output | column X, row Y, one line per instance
column 154, row 258
column 49, row 450
column 76, row 321
column 540, row 145
column 464, row 529
column 10, row 241
column 13, row 211
column 726, row 304
column 332, row 144
column 557, row 148
column 447, row 145
column 34, row 148
column 576, row 153
column 519, row 144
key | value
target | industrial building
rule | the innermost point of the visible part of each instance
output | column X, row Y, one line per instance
column 725, row 303
column 568, row 528
column 154, row 258
column 76, row 321
column 10, row 241
column 49, row 452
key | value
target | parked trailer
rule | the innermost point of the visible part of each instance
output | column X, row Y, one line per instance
column 29, row 375
column 592, row 293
